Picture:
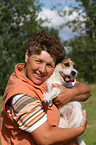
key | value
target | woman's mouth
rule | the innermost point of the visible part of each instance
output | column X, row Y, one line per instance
column 39, row 76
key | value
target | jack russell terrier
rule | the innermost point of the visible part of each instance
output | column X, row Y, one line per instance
column 71, row 113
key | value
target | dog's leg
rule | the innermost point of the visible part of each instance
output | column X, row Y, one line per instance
column 63, row 123
column 80, row 141
column 76, row 117
column 72, row 115
column 49, row 96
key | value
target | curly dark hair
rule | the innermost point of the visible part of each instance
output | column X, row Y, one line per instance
column 45, row 41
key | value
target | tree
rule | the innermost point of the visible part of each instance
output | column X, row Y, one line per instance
column 18, row 22
column 83, row 46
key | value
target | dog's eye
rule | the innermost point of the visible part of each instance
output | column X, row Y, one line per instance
column 66, row 64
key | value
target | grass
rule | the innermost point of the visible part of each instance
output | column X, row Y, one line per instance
column 90, row 106
column 0, row 108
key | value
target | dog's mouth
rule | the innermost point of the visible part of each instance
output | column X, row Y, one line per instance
column 66, row 78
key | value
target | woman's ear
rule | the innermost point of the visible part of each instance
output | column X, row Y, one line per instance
column 26, row 56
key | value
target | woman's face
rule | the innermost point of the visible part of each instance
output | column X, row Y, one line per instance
column 39, row 67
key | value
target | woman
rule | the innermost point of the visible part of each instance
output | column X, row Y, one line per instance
column 23, row 118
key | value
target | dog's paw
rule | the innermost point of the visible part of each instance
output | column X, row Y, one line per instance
column 47, row 101
column 50, row 103
column 44, row 100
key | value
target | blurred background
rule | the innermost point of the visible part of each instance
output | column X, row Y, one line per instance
column 72, row 21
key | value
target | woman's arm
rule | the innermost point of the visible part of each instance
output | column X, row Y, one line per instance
column 80, row 92
column 45, row 135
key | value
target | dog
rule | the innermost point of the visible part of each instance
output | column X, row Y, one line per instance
column 71, row 113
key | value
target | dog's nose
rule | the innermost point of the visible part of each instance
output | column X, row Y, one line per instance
column 73, row 73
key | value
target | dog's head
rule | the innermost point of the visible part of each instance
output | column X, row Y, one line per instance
column 67, row 70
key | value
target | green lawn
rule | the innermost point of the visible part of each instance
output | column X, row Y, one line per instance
column 0, row 108
column 89, row 136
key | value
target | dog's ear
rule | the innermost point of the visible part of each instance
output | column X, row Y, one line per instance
column 71, row 59
column 73, row 62
column 65, row 58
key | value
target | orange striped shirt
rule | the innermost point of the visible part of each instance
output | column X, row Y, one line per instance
column 27, row 111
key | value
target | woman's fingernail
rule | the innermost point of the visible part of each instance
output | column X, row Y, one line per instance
column 84, row 110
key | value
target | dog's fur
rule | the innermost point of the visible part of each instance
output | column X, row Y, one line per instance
column 70, row 114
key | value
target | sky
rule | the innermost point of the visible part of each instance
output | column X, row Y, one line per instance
column 55, row 19
column 49, row 3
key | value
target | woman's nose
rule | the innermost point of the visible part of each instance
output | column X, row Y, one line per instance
column 42, row 68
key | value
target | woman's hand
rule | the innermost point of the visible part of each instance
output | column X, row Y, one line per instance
column 66, row 95
column 84, row 122
column 82, row 127
column 80, row 92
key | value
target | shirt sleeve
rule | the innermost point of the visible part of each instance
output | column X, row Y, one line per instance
column 28, row 112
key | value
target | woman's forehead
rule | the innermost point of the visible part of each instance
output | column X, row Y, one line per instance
column 45, row 56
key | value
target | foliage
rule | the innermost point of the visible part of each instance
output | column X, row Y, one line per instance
column 83, row 46
column 18, row 22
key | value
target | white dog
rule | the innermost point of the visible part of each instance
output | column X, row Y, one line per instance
column 70, row 114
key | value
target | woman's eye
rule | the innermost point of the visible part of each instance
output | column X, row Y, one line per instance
column 49, row 65
column 66, row 64
column 38, row 61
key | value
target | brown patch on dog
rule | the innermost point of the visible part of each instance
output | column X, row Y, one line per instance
column 67, row 63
